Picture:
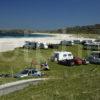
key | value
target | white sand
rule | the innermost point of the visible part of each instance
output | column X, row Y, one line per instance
column 7, row 44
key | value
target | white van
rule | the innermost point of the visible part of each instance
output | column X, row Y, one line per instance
column 62, row 55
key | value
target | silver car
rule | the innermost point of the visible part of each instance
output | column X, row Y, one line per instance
column 28, row 72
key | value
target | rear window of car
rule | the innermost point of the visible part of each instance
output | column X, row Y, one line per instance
column 34, row 71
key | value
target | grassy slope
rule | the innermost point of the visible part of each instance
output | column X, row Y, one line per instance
column 89, row 35
column 74, row 83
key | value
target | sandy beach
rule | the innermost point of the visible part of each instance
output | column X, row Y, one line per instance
column 7, row 44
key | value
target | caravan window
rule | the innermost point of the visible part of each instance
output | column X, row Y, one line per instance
column 69, row 55
column 65, row 55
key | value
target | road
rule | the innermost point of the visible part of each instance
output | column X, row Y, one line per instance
column 18, row 85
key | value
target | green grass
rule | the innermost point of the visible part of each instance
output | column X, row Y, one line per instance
column 70, row 83
column 89, row 35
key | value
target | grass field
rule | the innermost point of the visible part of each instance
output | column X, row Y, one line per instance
column 89, row 35
column 70, row 83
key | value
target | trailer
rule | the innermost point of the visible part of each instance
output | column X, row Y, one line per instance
column 61, row 55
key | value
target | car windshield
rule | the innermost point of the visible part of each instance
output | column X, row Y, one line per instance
column 34, row 71
column 97, row 55
column 24, row 72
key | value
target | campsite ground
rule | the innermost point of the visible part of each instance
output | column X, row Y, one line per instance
column 71, row 83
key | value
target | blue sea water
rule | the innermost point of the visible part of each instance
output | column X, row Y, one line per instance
column 17, row 35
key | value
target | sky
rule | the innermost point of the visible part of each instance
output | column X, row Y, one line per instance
column 48, row 14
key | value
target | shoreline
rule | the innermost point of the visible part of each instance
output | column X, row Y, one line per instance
column 7, row 44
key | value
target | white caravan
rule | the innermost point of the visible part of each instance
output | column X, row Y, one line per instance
column 62, row 55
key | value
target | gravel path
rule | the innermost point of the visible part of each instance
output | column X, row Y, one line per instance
column 18, row 85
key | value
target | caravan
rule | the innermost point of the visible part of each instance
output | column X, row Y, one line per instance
column 62, row 55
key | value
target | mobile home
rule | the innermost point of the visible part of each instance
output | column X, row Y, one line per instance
column 62, row 55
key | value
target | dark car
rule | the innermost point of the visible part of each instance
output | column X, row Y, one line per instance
column 66, row 62
column 53, row 46
column 75, row 61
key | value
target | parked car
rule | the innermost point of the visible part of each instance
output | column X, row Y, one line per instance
column 43, row 46
column 94, row 57
column 97, row 40
column 31, row 45
column 76, row 41
column 5, row 75
column 80, row 61
column 28, row 72
column 67, row 43
column 66, row 62
column 61, row 55
column 87, row 42
column 35, row 45
column 53, row 46
column 74, row 61
column 91, row 46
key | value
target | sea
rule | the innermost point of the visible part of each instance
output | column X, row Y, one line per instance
column 22, row 35
column 11, row 41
